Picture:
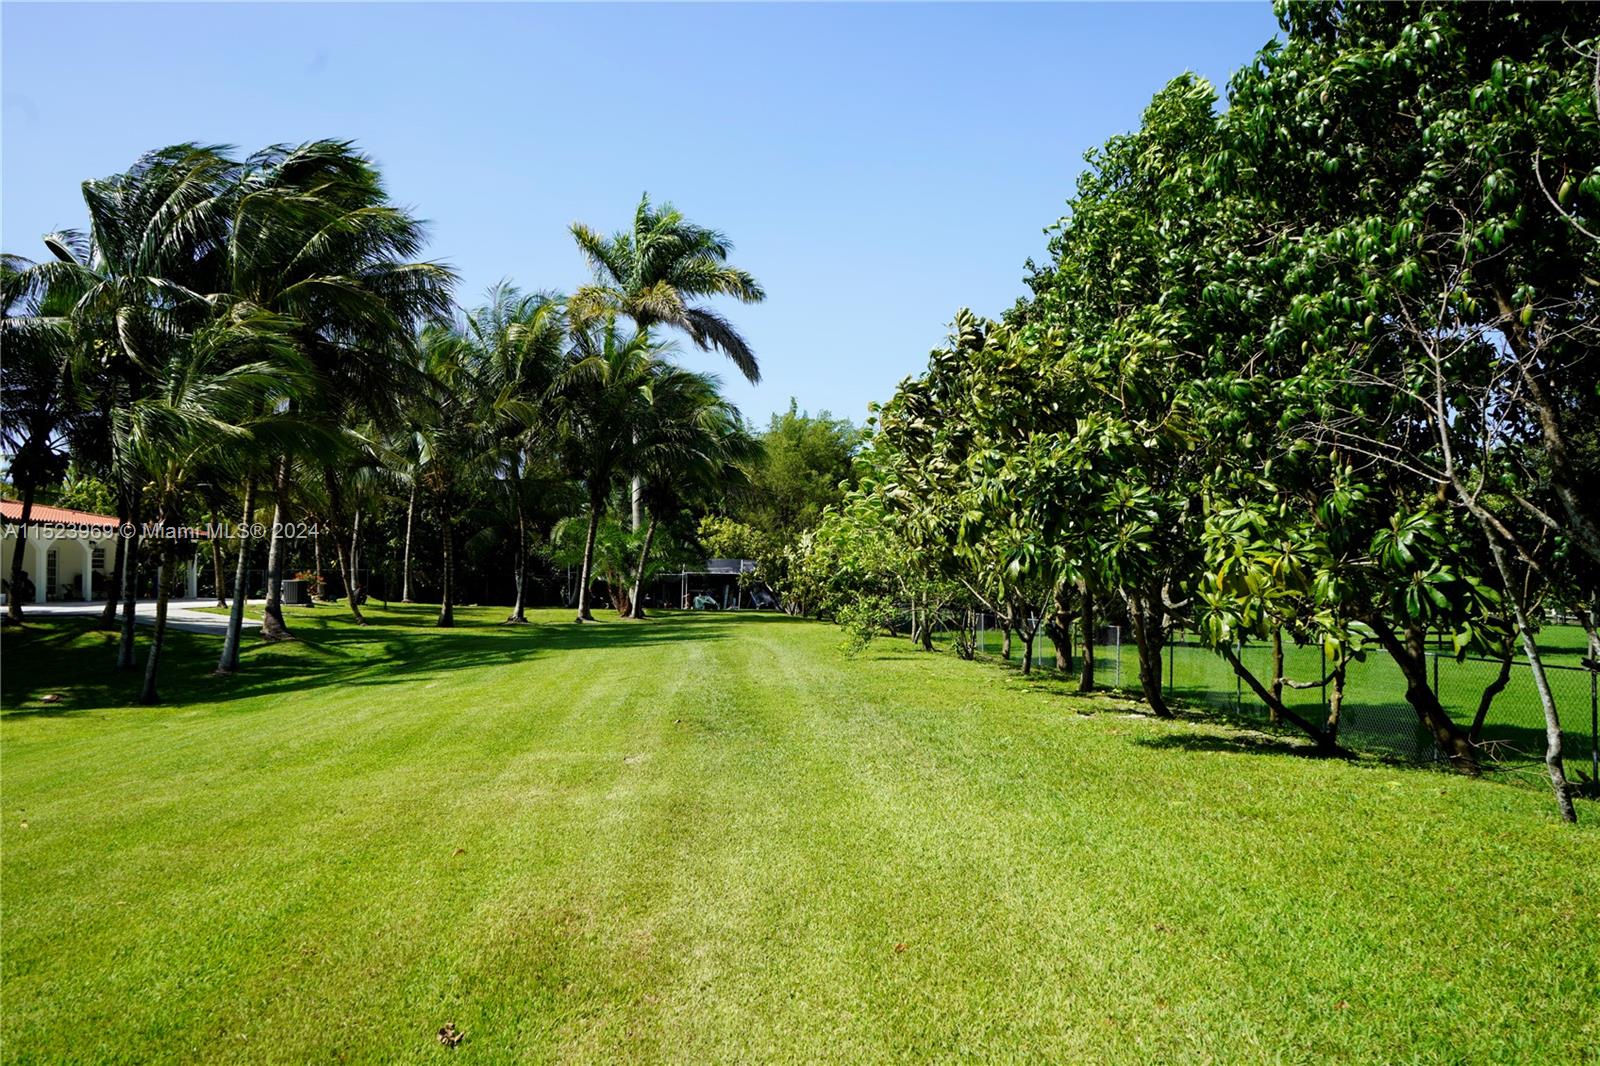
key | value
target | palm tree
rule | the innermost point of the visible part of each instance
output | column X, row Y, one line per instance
column 595, row 403
column 691, row 445
column 207, row 401
column 315, row 238
column 153, row 250
column 655, row 273
column 36, row 402
column 521, row 340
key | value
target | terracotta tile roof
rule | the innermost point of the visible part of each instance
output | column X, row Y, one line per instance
column 11, row 511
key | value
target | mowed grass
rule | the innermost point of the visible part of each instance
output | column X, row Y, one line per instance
column 717, row 838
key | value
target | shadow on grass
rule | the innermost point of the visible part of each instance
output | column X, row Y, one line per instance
column 73, row 660
column 1242, row 743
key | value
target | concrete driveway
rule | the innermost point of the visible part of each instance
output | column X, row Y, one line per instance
column 181, row 614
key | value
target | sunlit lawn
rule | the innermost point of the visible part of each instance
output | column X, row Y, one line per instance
column 717, row 838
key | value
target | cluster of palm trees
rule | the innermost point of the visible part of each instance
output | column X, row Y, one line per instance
column 231, row 336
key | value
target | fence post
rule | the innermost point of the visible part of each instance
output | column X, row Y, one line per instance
column 1435, row 674
column 1594, row 722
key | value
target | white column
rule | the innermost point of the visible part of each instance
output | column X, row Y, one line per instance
column 88, row 569
column 37, row 571
column 194, row 574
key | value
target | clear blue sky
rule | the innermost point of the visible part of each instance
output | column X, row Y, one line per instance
column 877, row 167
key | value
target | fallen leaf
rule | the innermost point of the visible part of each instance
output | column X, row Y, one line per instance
column 50, row 697
column 901, row 947
column 449, row 1035
column 460, row 851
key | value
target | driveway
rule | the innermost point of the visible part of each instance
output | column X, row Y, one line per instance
column 181, row 614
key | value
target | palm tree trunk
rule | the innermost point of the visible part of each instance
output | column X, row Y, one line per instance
column 342, row 544
column 14, row 600
column 216, row 563
column 272, row 627
column 447, row 606
column 130, row 596
column 152, row 662
column 108, row 614
column 637, row 605
column 518, row 607
column 317, row 592
column 355, row 553
column 405, row 558
column 584, row 614
column 229, row 661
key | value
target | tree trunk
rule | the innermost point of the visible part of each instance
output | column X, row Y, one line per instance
column 1147, row 630
column 1027, row 650
column 405, row 558
column 355, row 554
column 318, row 591
column 1086, row 623
column 272, row 626
column 130, row 596
column 584, row 614
column 108, row 614
column 1059, row 628
column 152, row 661
column 216, row 563
column 1005, row 640
column 343, row 544
column 519, row 612
column 1530, row 648
column 1490, row 691
column 637, row 600
column 14, row 600
column 447, row 604
column 1335, row 698
column 1277, row 672
column 1411, row 657
column 1324, row 741
column 229, row 661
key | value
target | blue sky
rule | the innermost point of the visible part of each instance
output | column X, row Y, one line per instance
column 876, row 166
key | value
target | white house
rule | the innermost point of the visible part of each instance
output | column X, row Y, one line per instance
column 67, row 555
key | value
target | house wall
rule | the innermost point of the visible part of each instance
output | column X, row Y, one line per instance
column 74, row 563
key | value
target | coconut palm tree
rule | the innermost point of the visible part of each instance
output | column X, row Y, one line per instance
column 36, row 400
column 595, row 402
column 521, row 342
column 208, row 401
column 153, row 251
column 315, row 238
column 691, row 444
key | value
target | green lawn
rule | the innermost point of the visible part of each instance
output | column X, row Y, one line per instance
column 717, row 838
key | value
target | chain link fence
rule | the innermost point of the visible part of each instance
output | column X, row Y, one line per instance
column 1375, row 716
